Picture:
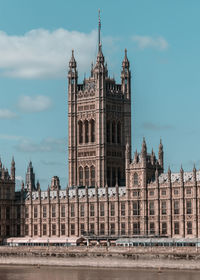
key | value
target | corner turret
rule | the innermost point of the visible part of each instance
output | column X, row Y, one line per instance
column 161, row 155
column 144, row 149
column 30, row 178
column 126, row 77
column 12, row 171
column 55, row 183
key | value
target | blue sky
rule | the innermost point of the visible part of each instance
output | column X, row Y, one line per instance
column 36, row 38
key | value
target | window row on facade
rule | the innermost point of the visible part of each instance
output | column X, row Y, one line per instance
column 82, row 210
column 176, row 192
column 113, row 132
column 86, row 131
column 5, row 230
column 163, row 192
column 176, row 210
column 136, row 209
column 112, row 230
column 86, row 176
column 114, row 176
column 6, row 212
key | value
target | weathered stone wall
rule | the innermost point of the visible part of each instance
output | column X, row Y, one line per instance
column 104, row 252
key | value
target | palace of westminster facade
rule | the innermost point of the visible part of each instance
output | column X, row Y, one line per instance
column 110, row 194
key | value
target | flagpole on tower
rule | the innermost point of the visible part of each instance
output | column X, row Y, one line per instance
column 99, row 31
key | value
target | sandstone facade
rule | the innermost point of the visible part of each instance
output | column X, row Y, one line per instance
column 110, row 194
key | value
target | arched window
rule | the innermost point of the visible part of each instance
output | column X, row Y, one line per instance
column 92, row 174
column 135, row 179
column 119, row 176
column 113, row 132
column 108, row 131
column 86, row 176
column 80, row 127
column 92, row 130
column 86, row 132
column 81, row 176
column 113, row 177
column 118, row 132
column 108, row 176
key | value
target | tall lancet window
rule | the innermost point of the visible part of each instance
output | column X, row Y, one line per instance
column 135, row 179
column 113, row 177
column 119, row 176
column 92, row 174
column 119, row 132
column 81, row 176
column 108, row 131
column 113, row 132
column 108, row 176
column 92, row 130
column 80, row 127
column 86, row 132
column 86, row 176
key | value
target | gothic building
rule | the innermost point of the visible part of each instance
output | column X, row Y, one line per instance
column 110, row 194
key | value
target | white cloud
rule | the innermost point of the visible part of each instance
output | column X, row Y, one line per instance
column 46, row 145
column 7, row 114
column 156, row 127
column 34, row 104
column 10, row 137
column 42, row 53
column 143, row 42
column 52, row 163
column 19, row 178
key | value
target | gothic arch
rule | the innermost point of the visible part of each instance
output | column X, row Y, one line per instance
column 86, row 126
column 87, row 176
column 80, row 172
column 113, row 176
column 113, row 132
column 80, row 129
column 119, row 132
column 135, row 179
column 108, row 131
column 92, row 175
column 108, row 176
column 92, row 130
column 119, row 175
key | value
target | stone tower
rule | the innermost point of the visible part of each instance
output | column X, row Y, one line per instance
column 30, row 177
column 99, row 115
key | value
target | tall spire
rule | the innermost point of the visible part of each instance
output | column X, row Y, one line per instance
column 30, row 177
column 12, row 173
column 99, row 32
column 100, row 57
column 72, row 62
column 125, row 63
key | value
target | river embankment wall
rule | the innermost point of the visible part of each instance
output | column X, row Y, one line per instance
column 136, row 257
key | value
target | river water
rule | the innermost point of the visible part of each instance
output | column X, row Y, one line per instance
column 63, row 273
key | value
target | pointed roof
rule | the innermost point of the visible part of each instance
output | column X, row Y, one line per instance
column 100, row 57
column 160, row 146
column 181, row 170
column 99, row 31
column 144, row 146
column 125, row 63
column 30, row 165
column 13, row 161
column 72, row 62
